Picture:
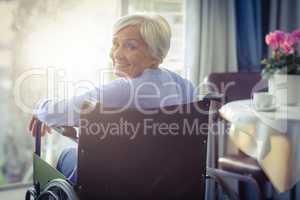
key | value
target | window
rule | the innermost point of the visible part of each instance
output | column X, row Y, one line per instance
column 10, row 164
column 69, row 40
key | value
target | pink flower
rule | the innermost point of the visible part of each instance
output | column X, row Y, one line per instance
column 296, row 33
column 287, row 49
column 275, row 39
column 289, row 43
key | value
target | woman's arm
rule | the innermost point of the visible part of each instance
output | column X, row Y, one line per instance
column 67, row 112
column 64, row 112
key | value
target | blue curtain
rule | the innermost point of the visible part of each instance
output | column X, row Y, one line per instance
column 249, row 34
column 255, row 19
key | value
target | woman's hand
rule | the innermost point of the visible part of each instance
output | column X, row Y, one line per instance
column 33, row 125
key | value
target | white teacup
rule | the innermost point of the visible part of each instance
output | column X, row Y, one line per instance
column 264, row 100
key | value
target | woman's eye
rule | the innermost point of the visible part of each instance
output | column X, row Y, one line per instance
column 115, row 45
column 130, row 46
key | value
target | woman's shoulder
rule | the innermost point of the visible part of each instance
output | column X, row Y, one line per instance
column 161, row 71
column 158, row 76
column 177, row 77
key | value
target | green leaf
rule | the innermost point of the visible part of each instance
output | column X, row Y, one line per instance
column 264, row 62
column 297, row 60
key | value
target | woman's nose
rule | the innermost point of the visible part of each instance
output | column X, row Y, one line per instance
column 117, row 53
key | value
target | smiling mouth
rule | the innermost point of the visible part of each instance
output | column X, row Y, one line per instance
column 120, row 65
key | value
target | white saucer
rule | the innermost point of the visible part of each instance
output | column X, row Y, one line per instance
column 269, row 109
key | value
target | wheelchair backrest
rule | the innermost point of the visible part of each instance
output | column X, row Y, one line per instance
column 143, row 154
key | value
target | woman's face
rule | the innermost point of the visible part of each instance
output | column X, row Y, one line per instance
column 130, row 54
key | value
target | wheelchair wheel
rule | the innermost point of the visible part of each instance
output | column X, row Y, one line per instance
column 31, row 194
column 58, row 189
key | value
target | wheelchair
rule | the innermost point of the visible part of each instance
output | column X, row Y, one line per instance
column 48, row 182
column 112, row 164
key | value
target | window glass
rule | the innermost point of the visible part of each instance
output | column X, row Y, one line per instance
column 48, row 49
column 12, row 165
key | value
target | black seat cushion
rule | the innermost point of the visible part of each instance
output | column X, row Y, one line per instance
column 241, row 164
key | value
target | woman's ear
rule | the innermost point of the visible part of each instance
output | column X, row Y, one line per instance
column 155, row 62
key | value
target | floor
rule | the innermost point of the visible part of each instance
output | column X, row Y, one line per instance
column 14, row 194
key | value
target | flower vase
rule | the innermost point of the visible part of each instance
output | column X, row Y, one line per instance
column 285, row 88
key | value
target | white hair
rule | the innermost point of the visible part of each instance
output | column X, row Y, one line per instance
column 154, row 29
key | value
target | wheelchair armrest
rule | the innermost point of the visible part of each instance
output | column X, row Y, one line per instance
column 214, row 96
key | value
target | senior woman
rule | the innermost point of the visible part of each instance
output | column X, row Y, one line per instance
column 140, row 43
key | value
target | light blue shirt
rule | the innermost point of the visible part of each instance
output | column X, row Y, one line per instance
column 154, row 88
